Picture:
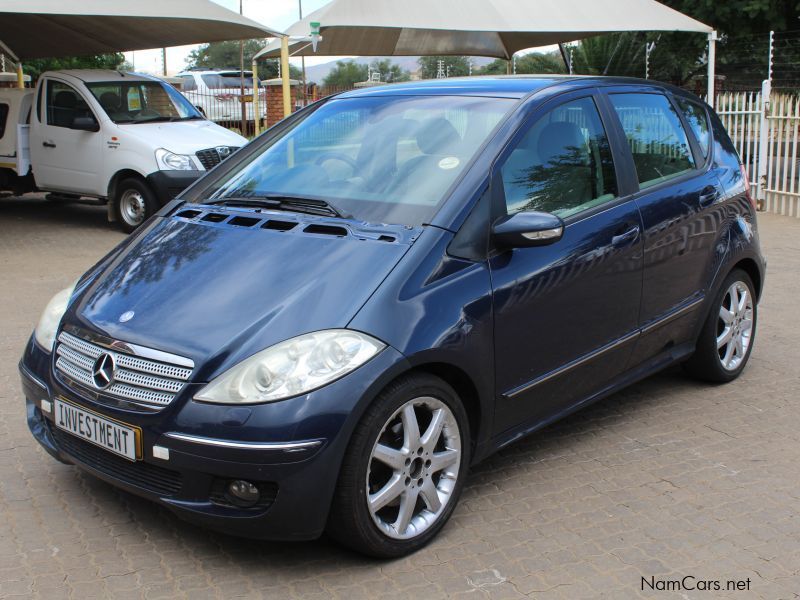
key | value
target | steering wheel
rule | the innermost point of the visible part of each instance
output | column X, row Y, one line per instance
column 326, row 156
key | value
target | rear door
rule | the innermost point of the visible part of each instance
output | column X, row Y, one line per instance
column 680, row 200
column 565, row 314
column 65, row 159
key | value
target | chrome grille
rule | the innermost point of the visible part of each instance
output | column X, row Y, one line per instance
column 210, row 157
column 136, row 379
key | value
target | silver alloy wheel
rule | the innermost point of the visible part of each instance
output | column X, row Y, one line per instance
column 734, row 326
column 412, row 475
column 132, row 207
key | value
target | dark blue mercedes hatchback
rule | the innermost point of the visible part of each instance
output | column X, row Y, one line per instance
column 327, row 330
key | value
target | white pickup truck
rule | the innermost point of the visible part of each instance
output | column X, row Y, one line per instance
column 126, row 138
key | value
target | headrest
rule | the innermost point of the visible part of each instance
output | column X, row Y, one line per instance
column 65, row 99
column 437, row 136
column 110, row 100
column 559, row 141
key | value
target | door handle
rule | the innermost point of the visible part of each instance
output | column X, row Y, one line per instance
column 625, row 237
column 48, row 144
column 708, row 196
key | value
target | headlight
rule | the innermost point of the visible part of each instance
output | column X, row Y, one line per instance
column 293, row 367
column 169, row 161
column 45, row 332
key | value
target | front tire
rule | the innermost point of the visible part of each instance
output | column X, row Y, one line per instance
column 134, row 203
column 727, row 337
column 404, row 469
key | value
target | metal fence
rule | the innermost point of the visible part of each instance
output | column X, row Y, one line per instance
column 765, row 128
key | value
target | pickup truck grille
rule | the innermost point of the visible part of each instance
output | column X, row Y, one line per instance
column 211, row 157
column 135, row 379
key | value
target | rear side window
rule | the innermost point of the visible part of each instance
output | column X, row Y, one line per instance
column 3, row 119
column 189, row 84
column 656, row 137
column 697, row 119
column 562, row 165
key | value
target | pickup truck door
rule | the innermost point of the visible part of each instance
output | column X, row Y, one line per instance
column 64, row 159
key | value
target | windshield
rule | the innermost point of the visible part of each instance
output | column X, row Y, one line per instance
column 142, row 101
column 378, row 159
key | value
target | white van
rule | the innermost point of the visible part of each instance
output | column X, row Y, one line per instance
column 218, row 94
column 128, row 138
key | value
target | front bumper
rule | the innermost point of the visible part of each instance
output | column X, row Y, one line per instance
column 168, row 184
column 291, row 450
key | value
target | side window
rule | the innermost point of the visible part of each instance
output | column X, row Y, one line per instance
column 697, row 119
column 3, row 119
column 39, row 103
column 562, row 165
column 64, row 104
column 656, row 137
column 188, row 83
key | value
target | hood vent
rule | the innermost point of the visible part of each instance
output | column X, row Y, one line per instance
column 256, row 219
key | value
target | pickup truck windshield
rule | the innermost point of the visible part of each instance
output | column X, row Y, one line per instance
column 142, row 101
column 387, row 159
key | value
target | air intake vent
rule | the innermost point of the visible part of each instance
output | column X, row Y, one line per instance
column 326, row 230
column 215, row 217
column 243, row 221
column 188, row 214
column 279, row 225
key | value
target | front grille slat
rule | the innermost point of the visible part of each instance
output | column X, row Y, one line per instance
column 136, row 379
column 210, row 157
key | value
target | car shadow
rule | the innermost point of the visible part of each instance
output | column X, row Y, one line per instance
column 35, row 209
column 552, row 443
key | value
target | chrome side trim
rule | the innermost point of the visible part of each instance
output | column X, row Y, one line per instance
column 572, row 365
column 673, row 315
column 33, row 378
column 278, row 446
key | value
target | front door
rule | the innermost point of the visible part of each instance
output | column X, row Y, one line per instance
column 565, row 314
column 65, row 159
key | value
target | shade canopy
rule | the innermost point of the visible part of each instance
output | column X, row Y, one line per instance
column 55, row 28
column 496, row 28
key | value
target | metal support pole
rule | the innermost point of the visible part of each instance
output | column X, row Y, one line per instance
column 20, row 76
column 256, row 99
column 712, row 59
column 287, row 89
column 763, row 145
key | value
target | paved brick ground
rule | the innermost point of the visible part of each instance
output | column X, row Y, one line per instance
column 669, row 478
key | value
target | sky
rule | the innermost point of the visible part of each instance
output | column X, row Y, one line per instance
column 276, row 14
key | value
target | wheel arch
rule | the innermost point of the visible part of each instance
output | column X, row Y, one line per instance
column 749, row 266
column 121, row 175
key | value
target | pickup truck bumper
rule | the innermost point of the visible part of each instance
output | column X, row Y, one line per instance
column 168, row 184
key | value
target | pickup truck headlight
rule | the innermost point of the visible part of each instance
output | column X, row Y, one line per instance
column 45, row 332
column 293, row 367
column 169, row 161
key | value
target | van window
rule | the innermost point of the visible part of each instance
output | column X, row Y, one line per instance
column 697, row 119
column 563, row 164
column 3, row 119
column 64, row 104
column 229, row 80
column 189, row 84
column 656, row 137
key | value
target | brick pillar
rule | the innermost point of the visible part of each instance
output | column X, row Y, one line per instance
column 275, row 99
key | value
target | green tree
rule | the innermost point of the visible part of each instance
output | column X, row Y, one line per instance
column 35, row 68
column 532, row 63
column 454, row 66
column 225, row 55
column 390, row 72
column 345, row 74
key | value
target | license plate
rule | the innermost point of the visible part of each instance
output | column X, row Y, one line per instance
column 247, row 98
column 123, row 440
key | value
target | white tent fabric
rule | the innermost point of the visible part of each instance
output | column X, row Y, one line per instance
column 496, row 28
column 54, row 28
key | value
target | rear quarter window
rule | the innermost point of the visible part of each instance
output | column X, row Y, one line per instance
column 3, row 119
column 697, row 119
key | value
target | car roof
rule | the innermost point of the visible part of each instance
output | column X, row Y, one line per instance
column 101, row 75
column 502, row 86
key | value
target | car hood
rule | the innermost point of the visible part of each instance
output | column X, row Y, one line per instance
column 217, row 292
column 183, row 137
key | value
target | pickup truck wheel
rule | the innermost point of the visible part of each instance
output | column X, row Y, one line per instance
column 134, row 204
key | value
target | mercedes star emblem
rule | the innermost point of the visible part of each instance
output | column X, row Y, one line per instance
column 126, row 316
column 103, row 371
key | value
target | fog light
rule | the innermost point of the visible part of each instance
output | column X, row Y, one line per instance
column 243, row 493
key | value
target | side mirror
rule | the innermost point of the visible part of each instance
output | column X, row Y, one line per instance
column 527, row 228
column 85, row 124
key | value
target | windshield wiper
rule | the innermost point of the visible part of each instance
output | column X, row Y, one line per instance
column 311, row 206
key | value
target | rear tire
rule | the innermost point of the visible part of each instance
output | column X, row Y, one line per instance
column 404, row 469
column 726, row 340
column 134, row 203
